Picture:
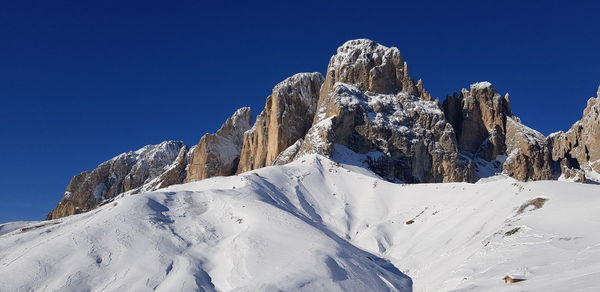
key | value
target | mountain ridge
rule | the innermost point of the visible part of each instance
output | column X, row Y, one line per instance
column 368, row 103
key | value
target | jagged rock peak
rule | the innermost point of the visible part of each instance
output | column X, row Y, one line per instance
column 489, row 133
column 127, row 172
column 286, row 117
column 218, row 154
column 372, row 67
column 478, row 117
column 580, row 146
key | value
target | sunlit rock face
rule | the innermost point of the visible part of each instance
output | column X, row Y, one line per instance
column 287, row 116
column 218, row 154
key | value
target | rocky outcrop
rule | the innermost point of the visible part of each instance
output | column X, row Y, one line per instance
column 580, row 146
column 478, row 117
column 161, row 165
column 156, row 166
column 572, row 174
column 488, row 133
column 218, row 154
column 529, row 156
column 371, row 67
column 371, row 106
column 287, row 116
column 175, row 174
column 287, row 155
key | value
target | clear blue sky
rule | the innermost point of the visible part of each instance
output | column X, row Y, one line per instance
column 82, row 81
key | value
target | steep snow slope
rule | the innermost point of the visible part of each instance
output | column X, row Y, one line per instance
column 318, row 225
column 224, row 234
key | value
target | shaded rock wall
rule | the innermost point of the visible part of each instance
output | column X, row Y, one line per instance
column 580, row 146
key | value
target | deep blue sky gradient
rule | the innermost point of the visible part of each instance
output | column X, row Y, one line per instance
column 82, row 81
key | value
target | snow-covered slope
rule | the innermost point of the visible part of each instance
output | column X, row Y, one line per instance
column 317, row 225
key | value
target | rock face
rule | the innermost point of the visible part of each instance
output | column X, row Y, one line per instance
column 488, row 133
column 529, row 155
column 478, row 117
column 371, row 106
column 175, row 174
column 218, row 154
column 160, row 165
column 156, row 166
column 287, row 116
column 580, row 146
column 371, row 67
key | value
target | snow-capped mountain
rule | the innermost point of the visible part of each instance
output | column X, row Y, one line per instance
column 317, row 225
column 354, row 181
column 368, row 103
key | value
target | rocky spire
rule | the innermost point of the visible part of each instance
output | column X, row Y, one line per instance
column 288, row 114
column 218, row 154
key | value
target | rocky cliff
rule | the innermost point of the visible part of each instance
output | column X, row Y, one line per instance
column 489, row 134
column 287, row 115
column 528, row 153
column 478, row 117
column 218, row 154
column 579, row 147
column 157, row 165
column 370, row 105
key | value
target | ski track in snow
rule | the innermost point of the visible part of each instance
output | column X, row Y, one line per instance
column 316, row 225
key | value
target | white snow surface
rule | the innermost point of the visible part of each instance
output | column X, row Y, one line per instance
column 12, row 226
column 317, row 225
